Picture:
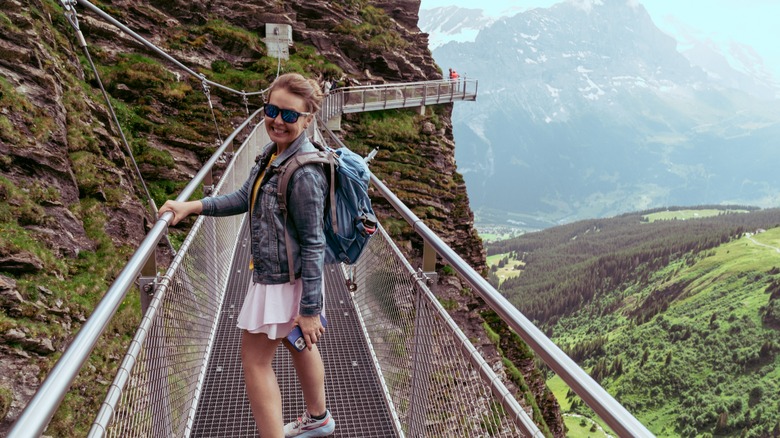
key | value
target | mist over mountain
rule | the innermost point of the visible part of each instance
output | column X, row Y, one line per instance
column 734, row 66
column 452, row 23
column 589, row 110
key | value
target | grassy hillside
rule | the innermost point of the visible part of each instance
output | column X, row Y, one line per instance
column 690, row 346
column 709, row 362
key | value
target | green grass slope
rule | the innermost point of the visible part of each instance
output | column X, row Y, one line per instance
column 705, row 366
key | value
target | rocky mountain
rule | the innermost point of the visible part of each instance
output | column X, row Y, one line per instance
column 73, row 207
column 586, row 109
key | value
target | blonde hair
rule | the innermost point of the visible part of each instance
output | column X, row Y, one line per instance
column 295, row 83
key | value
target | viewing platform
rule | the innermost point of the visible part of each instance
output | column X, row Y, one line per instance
column 392, row 96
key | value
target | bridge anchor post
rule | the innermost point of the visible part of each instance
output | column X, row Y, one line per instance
column 429, row 265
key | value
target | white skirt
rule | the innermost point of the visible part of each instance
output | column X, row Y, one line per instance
column 271, row 308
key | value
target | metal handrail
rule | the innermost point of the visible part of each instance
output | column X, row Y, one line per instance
column 336, row 102
column 403, row 84
column 597, row 398
column 41, row 408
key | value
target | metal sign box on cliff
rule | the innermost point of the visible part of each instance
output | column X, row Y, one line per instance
column 278, row 39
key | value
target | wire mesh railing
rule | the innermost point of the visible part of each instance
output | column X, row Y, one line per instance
column 597, row 398
column 156, row 390
column 164, row 376
column 47, row 399
column 436, row 381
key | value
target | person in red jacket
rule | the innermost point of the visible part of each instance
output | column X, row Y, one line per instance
column 454, row 77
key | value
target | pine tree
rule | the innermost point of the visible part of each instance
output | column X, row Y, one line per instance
column 723, row 422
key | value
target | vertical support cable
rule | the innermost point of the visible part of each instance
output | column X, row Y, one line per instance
column 207, row 91
column 245, row 100
column 158, row 384
column 159, row 389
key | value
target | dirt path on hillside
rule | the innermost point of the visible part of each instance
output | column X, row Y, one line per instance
column 763, row 244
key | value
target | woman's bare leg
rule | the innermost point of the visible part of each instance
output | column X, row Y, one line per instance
column 257, row 353
column 311, row 373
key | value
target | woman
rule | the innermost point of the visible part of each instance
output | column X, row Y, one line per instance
column 273, row 306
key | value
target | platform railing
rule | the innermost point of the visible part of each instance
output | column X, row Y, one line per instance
column 397, row 95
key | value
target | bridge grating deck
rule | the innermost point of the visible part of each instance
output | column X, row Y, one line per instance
column 355, row 397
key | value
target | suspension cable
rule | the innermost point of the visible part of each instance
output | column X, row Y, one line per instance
column 72, row 18
column 206, row 83
column 70, row 15
column 168, row 57
column 149, row 45
column 159, row 51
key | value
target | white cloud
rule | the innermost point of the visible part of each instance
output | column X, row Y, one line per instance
column 586, row 5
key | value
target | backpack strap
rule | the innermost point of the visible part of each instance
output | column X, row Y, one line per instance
column 285, row 173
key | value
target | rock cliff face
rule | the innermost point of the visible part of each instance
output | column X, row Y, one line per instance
column 69, row 194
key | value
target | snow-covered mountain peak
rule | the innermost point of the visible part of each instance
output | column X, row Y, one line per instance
column 623, row 25
column 590, row 109
column 452, row 24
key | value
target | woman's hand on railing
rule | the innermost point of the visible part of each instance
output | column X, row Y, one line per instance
column 180, row 209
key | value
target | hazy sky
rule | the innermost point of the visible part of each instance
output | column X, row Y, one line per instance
column 755, row 23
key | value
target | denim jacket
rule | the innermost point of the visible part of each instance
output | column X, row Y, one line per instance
column 306, row 193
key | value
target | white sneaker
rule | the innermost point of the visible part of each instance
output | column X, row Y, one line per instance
column 305, row 426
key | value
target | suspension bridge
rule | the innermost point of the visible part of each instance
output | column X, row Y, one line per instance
column 396, row 363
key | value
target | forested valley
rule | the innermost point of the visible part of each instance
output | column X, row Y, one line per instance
column 678, row 318
column 569, row 266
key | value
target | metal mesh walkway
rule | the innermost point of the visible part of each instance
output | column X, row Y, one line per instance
column 355, row 397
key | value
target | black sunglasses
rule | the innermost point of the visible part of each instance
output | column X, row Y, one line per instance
column 288, row 115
